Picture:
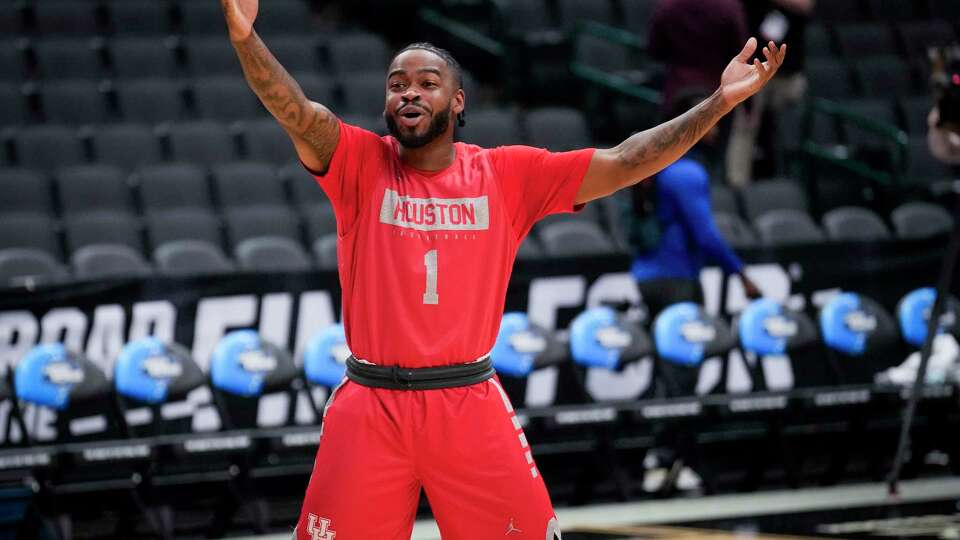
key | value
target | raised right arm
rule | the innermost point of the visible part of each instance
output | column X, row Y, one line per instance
column 313, row 129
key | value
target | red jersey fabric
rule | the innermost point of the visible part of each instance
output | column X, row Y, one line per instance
column 425, row 257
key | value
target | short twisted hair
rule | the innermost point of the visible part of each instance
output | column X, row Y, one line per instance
column 441, row 52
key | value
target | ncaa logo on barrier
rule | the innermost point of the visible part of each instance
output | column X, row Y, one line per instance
column 779, row 326
column 63, row 373
column 319, row 528
column 860, row 322
column 697, row 332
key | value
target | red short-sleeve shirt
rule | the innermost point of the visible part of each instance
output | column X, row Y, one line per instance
column 425, row 256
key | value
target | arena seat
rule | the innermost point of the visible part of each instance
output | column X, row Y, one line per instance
column 99, row 261
column 32, row 145
column 854, row 223
column 787, row 226
column 102, row 227
column 684, row 336
column 913, row 315
column 490, row 128
column 271, row 254
column 184, row 224
column 265, row 140
column 151, row 100
column 138, row 18
column 920, row 220
column 19, row 267
column 359, row 52
column 65, row 17
column 225, row 98
column 247, row 183
column 325, row 251
column 142, row 57
column 575, row 238
column 769, row 331
column 861, row 335
column 735, row 230
column 127, row 146
column 93, row 187
column 29, row 230
column 211, row 55
column 67, row 58
column 191, row 257
column 13, row 104
column 203, row 142
column 249, row 222
column 167, row 186
column 25, row 190
column 557, row 129
column 761, row 196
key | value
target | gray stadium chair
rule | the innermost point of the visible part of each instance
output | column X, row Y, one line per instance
column 829, row 77
column 226, row 98
column 319, row 220
column 12, row 61
column 86, row 188
column 126, row 145
column 67, row 59
column 34, row 147
column 734, row 230
column 25, row 190
column 271, row 254
column 864, row 39
column 102, row 227
column 13, row 104
column 72, row 102
column 529, row 250
column 490, row 128
column 203, row 142
column 574, row 11
column 199, row 18
column 191, row 257
column 173, row 185
column 590, row 213
column 11, row 19
column 603, row 54
column 150, row 100
column 318, row 87
column 920, row 220
column 27, row 266
column 29, row 230
column 247, row 183
column 786, row 226
column 853, row 223
column 134, row 57
column 296, row 53
column 325, row 251
column 922, row 167
column 183, row 224
column 762, row 196
column 723, row 199
column 212, row 55
column 265, row 140
column 877, row 109
column 98, row 261
column 303, row 186
column 358, row 52
column 575, row 238
column 138, row 17
column 369, row 122
column 364, row 92
column 884, row 76
column 285, row 17
column 244, row 223
column 557, row 129
column 65, row 17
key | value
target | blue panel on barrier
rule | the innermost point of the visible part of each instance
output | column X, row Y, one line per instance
column 240, row 364
column 914, row 312
column 845, row 326
column 46, row 375
column 325, row 356
column 763, row 328
column 597, row 338
column 144, row 370
column 516, row 348
column 681, row 334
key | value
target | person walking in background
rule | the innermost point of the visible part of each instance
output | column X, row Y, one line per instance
column 677, row 204
column 428, row 230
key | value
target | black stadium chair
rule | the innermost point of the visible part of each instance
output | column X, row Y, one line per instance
column 762, row 196
column 920, row 220
column 318, row 87
column 829, row 77
column 25, row 190
column 490, row 128
column 857, row 40
column 103, row 227
column 34, row 147
column 304, row 188
column 575, row 238
column 530, row 250
column 12, row 60
column 914, row 110
column 127, row 146
column 98, row 261
column 573, row 12
column 13, row 104
column 247, row 183
column 786, row 227
column 191, row 257
column 557, row 129
column 723, row 199
column 358, row 52
column 183, row 224
column 73, row 102
column 884, row 76
column 31, row 231
column 364, row 93
column 150, row 100
column 325, row 251
column 53, row 17
column 87, row 188
column 283, row 18
column 265, row 140
column 253, row 221
column 225, row 98
column 202, row 18
column 204, row 142
column 138, row 17
column 271, row 254
column 319, row 220
column 19, row 267
column 850, row 223
column 139, row 57
column 66, row 58
column 173, row 185
column 734, row 230
column 211, row 55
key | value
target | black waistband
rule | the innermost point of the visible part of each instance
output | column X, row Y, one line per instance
column 430, row 378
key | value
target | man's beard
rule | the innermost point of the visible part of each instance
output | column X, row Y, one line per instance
column 438, row 125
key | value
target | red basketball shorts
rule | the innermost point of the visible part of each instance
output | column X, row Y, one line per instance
column 464, row 446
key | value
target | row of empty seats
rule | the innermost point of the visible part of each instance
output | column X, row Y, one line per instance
column 131, row 57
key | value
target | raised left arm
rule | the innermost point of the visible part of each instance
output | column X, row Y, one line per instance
column 646, row 153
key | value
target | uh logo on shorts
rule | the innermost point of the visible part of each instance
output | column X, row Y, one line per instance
column 319, row 528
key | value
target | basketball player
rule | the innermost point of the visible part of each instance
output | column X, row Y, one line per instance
column 428, row 230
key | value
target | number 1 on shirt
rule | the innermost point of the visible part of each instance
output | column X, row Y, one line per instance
column 430, row 261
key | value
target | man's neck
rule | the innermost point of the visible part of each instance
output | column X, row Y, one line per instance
column 434, row 156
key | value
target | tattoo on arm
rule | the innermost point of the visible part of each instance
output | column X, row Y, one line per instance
column 657, row 147
column 284, row 98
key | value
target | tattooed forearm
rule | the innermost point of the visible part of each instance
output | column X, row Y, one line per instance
column 649, row 151
column 282, row 96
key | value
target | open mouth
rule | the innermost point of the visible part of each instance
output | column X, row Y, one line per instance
column 411, row 117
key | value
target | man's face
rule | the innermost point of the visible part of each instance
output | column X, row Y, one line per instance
column 422, row 94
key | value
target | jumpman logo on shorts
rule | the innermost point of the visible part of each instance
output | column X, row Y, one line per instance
column 511, row 528
column 320, row 532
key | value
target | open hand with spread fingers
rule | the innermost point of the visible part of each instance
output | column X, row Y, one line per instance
column 240, row 15
column 741, row 78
